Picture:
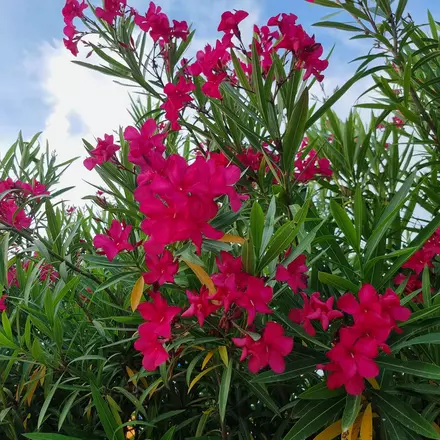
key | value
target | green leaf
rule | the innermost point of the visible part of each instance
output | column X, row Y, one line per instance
column 257, row 226
column 415, row 368
column 115, row 279
column 422, row 314
column 430, row 338
column 404, row 414
column 47, row 401
column 66, row 408
column 224, row 390
column 422, row 388
column 295, row 130
column 345, row 224
column 315, row 418
column 48, row 436
column 248, row 256
column 261, row 392
column 401, row 8
column 169, row 434
column 105, row 415
column 358, row 213
column 338, row 25
column 293, row 370
column 351, row 411
column 269, row 224
column 320, row 391
column 426, row 287
column 388, row 216
column 337, row 282
column 4, row 245
column 284, row 237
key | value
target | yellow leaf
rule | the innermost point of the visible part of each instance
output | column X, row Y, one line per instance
column 353, row 432
column 436, row 427
column 136, row 293
column 199, row 376
column 33, row 383
column 330, row 432
column 155, row 387
column 229, row 238
column 201, row 275
column 207, row 359
column 43, row 375
column 373, row 383
column 25, row 421
column 131, row 373
column 367, row 424
column 223, row 351
column 198, row 347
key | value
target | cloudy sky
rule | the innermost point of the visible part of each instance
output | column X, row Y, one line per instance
column 41, row 90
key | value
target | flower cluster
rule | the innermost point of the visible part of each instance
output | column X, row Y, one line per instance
column 417, row 262
column 114, row 241
column 352, row 356
column 315, row 309
column 157, row 24
column 179, row 199
column 104, row 151
column 156, row 331
column 15, row 195
column 111, row 10
column 72, row 9
column 3, row 303
column 46, row 272
column 235, row 290
column 311, row 167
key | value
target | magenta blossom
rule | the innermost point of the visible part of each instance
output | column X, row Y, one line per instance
column 161, row 269
column 114, row 241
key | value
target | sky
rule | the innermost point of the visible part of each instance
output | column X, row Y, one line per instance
column 41, row 90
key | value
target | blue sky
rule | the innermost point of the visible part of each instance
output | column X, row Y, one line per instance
column 40, row 90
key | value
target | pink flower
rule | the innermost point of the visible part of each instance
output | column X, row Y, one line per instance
column 3, row 303
column 152, row 348
column 270, row 349
column 103, row 152
column 392, row 311
column 398, row 122
column 10, row 213
column 73, row 9
column 12, row 277
column 367, row 310
column 337, row 378
column 418, row 261
column 315, row 309
column 177, row 97
column 114, row 241
column 294, row 274
column 34, row 188
column 250, row 158
column 179, row 199
column 111, row 10
column 413, row 284
column 47, row 271
column 355, row 356
column 161, row 269
column 311, row 167
column 144, row 143
column 158, row 25
column 255, row 298
column 303, row 47
column 230, row 21
column 159, row 316
column 201, row 305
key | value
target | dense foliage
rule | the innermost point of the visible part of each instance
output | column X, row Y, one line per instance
column 251, row 266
